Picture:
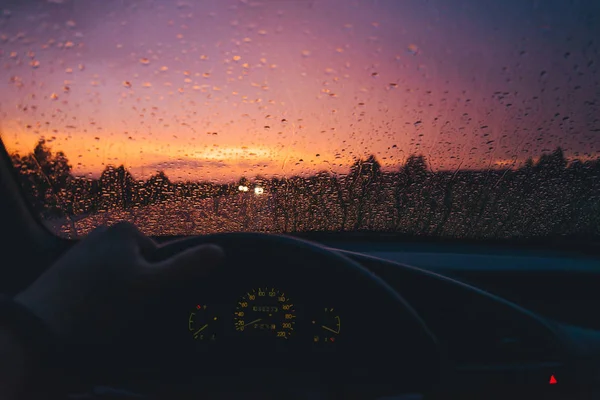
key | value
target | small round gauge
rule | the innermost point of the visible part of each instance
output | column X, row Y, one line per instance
column 265, row 312
column 327, row 326
column 202, row 322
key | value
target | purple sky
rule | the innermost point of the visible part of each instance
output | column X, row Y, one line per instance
column 216, row 89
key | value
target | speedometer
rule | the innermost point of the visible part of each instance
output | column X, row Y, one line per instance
column 265, row 311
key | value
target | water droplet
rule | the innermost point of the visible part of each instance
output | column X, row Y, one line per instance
column 127, row 84
column 34, row 63
column 144, row 61
column 54, row 96
column 413, row 49
column 164, row 68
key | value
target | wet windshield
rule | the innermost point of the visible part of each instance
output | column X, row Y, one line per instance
column 468, row 119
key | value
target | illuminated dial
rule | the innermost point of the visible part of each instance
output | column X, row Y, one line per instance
column 265, row 311
column 202, row 323
column 326, row 326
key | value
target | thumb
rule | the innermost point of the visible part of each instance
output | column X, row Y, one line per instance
column 192, row 263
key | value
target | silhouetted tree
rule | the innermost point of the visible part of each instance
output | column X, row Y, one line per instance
column 547, row 197
column 363, row 186
column 557, row 158
column 118, row 189
column 553, row 163
column 157, row 188
column 415, row 168
column 411, row 179
column 529, row 164
column 44, row 177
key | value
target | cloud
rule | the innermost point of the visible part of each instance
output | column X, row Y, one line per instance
column 219, row 170
column 201, row 164
column 186, row 164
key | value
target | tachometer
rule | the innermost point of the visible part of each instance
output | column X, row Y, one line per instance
column 265, row 312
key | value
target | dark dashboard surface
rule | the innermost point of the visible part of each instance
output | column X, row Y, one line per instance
column 276, row 308
column 518, row 325
column 497, row 316
column 556, row 284
column 331, row 318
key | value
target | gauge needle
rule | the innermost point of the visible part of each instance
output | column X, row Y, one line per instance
column 200, row 330
column 329, row 329
column 253, row 322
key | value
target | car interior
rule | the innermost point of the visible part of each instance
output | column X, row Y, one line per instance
column 407, row 193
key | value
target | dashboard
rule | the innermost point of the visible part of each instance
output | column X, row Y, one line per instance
column 298, row 315
column 281, row 318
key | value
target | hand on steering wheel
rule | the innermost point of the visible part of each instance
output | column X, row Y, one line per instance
column 106, row 274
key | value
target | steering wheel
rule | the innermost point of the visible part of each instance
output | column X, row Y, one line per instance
column 385, row 347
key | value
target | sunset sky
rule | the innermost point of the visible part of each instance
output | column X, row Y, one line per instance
column 217, row 89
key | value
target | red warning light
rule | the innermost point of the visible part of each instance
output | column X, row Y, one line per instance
column 553, row 380
column 332, row 339
column 198, row 306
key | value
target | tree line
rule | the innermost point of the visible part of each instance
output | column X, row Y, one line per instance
column 551, row 196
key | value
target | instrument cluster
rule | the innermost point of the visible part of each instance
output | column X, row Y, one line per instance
column 265, row 313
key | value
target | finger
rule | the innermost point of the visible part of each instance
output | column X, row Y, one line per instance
column 125, row 232
column 191, row 263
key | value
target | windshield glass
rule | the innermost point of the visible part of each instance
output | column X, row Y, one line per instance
column 468, row 119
